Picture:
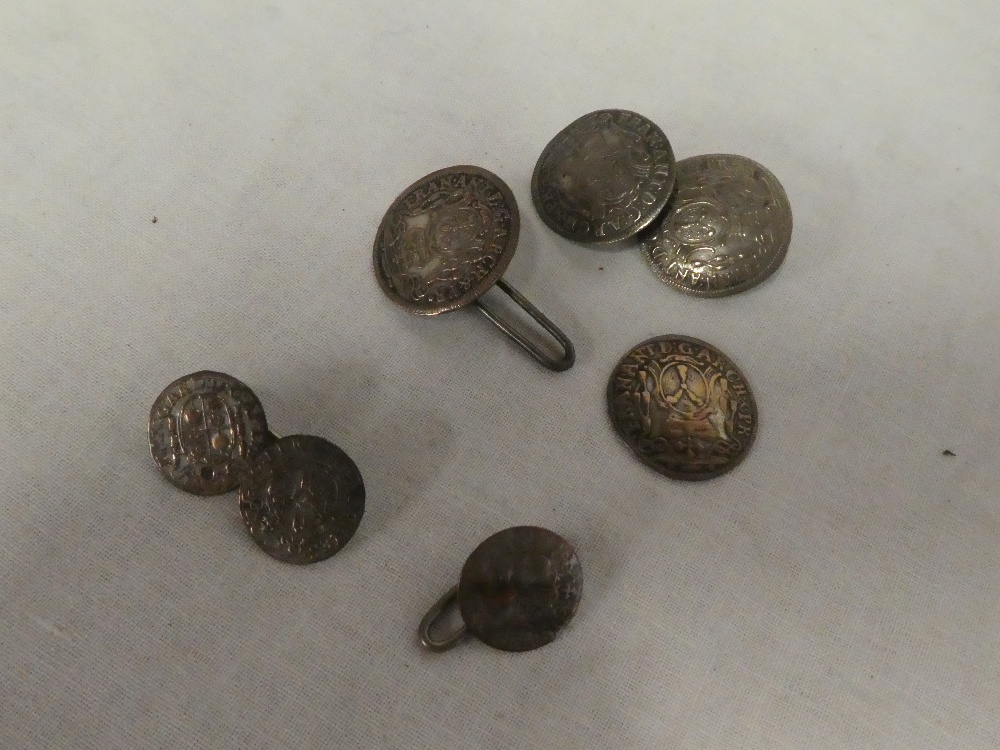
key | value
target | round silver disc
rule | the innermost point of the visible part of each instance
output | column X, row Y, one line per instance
column 682, row 407
column 519, row 588
column 604, row 177
column 302, row 499
column 727, row 228
column 203, row 428
column 446, row 240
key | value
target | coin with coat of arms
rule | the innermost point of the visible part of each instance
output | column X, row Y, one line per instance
column 727, row 228
column 446, row 240
column 203, row 428
column 302, row 499
column 682, row 407
column 604, row 177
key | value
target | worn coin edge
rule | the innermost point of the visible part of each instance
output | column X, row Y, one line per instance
column 245, row 484
column 576, row 604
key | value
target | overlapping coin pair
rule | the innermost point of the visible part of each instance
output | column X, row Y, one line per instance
column 300, row 496
column 710, row 225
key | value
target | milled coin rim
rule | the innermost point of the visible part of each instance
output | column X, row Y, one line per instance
column 485, row 283
column 750, row 283
column 235, row 475
column 657, row 208
column 658, row 468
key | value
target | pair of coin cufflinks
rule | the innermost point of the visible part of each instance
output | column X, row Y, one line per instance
column 710, row 225
column 302, row 498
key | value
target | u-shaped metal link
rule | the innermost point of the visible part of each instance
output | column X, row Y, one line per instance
column 426, row 639
column 569, row 353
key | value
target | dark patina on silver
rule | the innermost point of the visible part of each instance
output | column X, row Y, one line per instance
column 203, row 428
column 604, row 177
column 727, row 228
column 517, row 590
column 682, row 407
column 302, row 499
column 446, row 240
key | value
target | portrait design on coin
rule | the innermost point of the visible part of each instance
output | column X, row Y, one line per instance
column 446, row 240
column 604, row 177
column 519, row 588
column 727, row 228
column 302, row 499
column 203, row 428
column 682, row 407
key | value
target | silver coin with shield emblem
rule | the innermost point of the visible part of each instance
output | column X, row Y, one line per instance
column 446, row 241
column 682, row 407
column 203, row 428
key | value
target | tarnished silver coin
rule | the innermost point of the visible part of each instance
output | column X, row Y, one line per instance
column 604, row 177
column 302, row 499
column 519, row 588
column 446, row 240
column 727, row 228
column 516, row 592
column 682, row 407
column 203, row 428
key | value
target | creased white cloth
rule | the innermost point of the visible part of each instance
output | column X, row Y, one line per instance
column 194, row 185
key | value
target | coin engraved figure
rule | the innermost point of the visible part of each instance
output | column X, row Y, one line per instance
column 727, row 228
column 604, row 177
column 519, row 588
column 302, row 499
column 446, row 240
column 203, row 428
column 682, row 407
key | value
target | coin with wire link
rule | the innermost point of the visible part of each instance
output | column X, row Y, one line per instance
column 446, row 240
column 517, row 590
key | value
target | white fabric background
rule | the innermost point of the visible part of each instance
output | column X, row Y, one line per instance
column 841, row 589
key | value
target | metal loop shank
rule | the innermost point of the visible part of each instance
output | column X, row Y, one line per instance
column 569, row 353
column 428, row 641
